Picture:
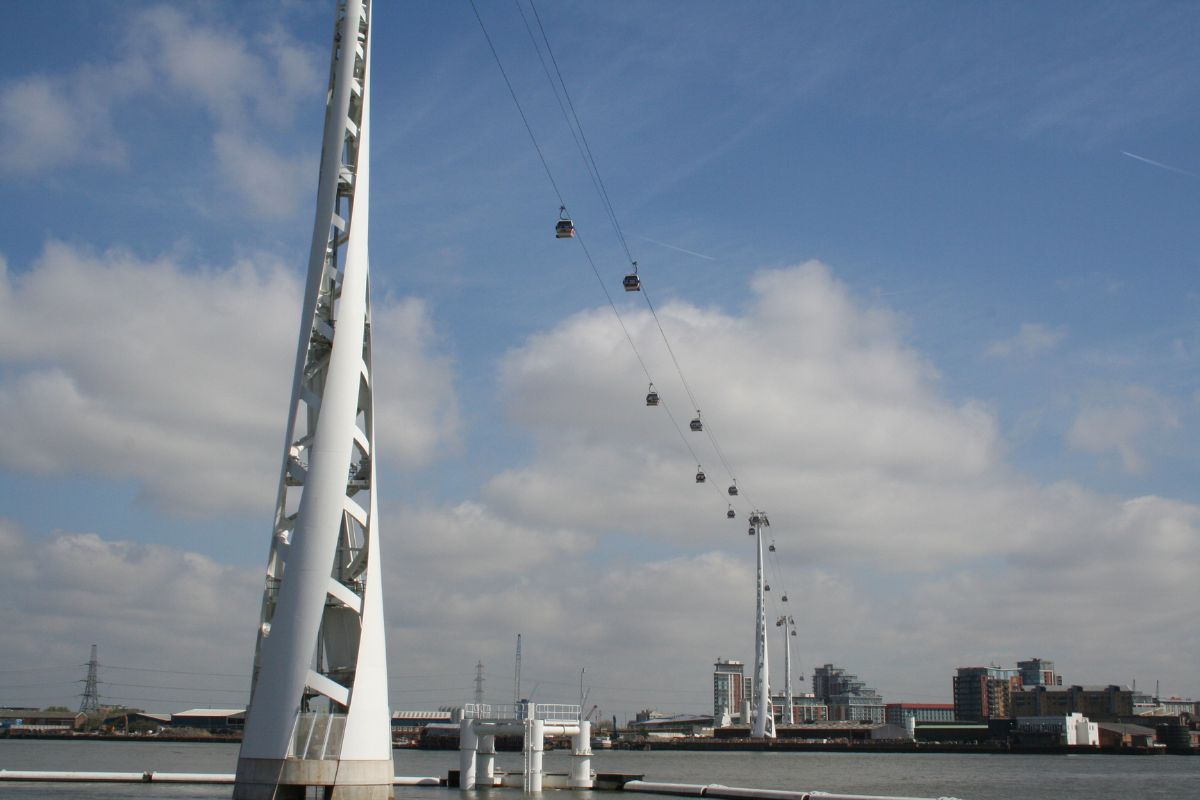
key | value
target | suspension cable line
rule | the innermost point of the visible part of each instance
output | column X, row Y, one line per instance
column 593, row 170
column 513, row 93
column 580, row 145
column 585, row 151
column 590, row 159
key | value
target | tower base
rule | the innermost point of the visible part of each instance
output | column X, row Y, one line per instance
column 290, row 779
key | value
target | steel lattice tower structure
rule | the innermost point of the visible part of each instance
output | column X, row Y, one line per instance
column 90, row 697
column 764, row 721
column 479, row 683
column 318, row 713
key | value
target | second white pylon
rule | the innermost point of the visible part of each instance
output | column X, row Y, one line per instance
column 318, row 713
column 763, row 726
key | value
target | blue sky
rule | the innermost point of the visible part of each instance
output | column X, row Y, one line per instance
column 940, row 306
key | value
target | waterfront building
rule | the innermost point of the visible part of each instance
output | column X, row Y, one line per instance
column 860, row 707
column 673, row 727
column 806, row 708
column 33, row 720
column 847, row 697
column 1118, row 734
column 1144, row 703
column 1108, row 703
column 731, row 687
column 1038, row 672
column 1074, row 729
column 899, row 713
column 1177, row 706
column 409, row 724
column 982, row 693
column 211, row 719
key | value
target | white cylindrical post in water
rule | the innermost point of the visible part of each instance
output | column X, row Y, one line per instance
column 486, row 761
column 468, row 743
column 537, row 737
column 581, row 757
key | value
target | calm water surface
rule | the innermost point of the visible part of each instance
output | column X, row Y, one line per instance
column 970, row 777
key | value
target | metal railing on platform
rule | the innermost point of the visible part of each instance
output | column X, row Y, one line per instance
column 549, row 712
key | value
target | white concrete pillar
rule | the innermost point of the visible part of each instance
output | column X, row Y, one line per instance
column 486, row 769
column 745, row 712
column 581, row 757
column 468, row 743
column 537, row 736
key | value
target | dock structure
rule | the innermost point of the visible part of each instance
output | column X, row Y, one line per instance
column 482, row 723
column 716, row 790
column 151, row 776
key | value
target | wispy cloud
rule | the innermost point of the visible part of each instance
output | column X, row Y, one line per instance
column 1159, row 164
column 673, row 247
column 1032, row 339
column 1123, row 425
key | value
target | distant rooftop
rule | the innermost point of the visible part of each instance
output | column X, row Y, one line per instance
column 210, row 712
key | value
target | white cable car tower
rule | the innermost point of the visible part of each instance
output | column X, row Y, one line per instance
column 763, row 726
column 789, row 628
column 318, row 713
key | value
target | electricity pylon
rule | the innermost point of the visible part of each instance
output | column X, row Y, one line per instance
column 318, row 713
column 90, row 697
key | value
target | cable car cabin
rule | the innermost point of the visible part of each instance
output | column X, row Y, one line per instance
column 766, row 587
column 697, row 425
column 754, row 519
column 750, row 531
column 632, row 282
column 771, row 548
column 733, row 490
column 652, row 396
column 793, row 634
column 785, row 598
column 564, row 229
column 700, row 475
column 730, row 513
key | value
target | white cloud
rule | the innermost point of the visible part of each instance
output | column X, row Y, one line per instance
column 906, row 544
column 1033, row 339
column 904, row 500
column 144, row 605
column 274, row 186
column 831, row 419
column 50, row 121
column 250, row 87
column 1123, row 425
column 115, row 367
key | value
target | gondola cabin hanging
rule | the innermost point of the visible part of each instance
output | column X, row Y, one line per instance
column 565, row 228
column 632, row 282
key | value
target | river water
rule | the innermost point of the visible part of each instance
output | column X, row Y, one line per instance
column 970, row 777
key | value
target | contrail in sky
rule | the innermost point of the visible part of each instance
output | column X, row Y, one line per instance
column 1159, row 164
column 673, row 247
